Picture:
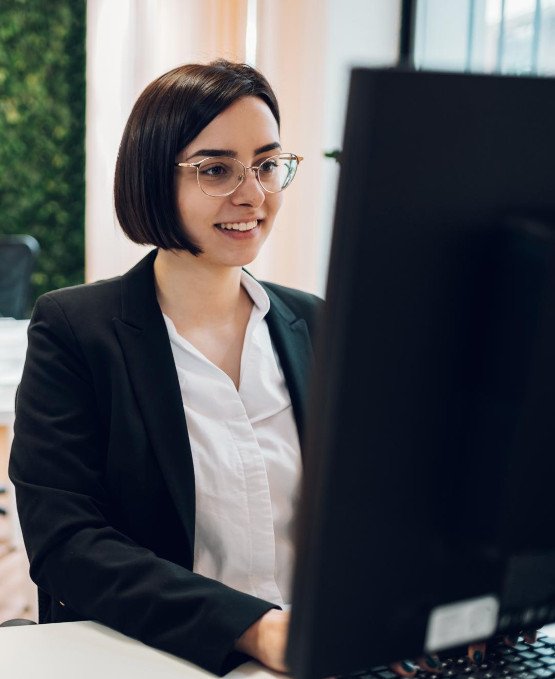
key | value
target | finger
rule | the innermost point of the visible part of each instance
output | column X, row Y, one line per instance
column 510, row 639
column 477, row 653
column 404, row 668
column 430, row 663
column 530, row 636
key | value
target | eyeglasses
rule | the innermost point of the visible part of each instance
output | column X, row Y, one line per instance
column 222, row 175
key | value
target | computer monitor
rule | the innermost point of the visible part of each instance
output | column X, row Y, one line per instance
column 426, row 517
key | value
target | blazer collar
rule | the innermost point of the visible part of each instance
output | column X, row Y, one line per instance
column 292, row 342
column 139, row 305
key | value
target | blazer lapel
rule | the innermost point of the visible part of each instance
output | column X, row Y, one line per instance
column 144, row 340
column 292, row 342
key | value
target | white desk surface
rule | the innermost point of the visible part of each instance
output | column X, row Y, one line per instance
column 6, row 415
column 13, row 346
column 87, row 650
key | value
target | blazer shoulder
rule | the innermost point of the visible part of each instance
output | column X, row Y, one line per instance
column 92, row 299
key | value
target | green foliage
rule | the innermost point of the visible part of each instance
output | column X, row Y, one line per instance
column 42, row 133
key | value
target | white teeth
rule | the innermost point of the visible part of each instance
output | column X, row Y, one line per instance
column 239, row 226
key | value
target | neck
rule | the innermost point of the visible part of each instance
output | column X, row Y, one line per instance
column 188, row 288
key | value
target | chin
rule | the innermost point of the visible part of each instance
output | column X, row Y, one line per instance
column 241, row 258
column 242, row 261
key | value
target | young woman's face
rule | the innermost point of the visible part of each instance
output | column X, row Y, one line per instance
column 248, row 131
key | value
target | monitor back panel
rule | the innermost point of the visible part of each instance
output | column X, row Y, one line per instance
column 429, row 464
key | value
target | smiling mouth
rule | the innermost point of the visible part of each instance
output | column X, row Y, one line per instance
column 238, row 226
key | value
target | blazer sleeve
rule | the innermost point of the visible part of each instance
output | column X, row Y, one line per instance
column 76, row 556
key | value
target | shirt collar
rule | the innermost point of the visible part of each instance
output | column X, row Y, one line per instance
column 257, row 293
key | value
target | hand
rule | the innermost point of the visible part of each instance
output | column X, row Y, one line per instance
column 428, row 663
column 477, row 652
column 266, row 640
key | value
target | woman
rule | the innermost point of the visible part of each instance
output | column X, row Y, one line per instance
column 156, row 455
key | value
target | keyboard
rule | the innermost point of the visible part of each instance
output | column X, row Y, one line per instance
column 522, row 661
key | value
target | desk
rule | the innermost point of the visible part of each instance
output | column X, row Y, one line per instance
column 87, row 650
column 17, row 593
column 13, row 346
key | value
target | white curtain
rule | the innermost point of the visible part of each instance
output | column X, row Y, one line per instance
column 292, row 58
column 129, row 43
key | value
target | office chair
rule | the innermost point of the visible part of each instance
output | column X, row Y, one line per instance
column 17, row 259
column 16, row 622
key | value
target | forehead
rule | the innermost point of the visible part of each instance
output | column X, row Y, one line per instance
column 245, row 125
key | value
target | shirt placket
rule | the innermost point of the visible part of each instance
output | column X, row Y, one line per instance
column 259, row 510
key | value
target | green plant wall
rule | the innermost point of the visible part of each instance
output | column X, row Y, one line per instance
column 42, row 133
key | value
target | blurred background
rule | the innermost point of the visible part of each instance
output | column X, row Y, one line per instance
column 70, row 71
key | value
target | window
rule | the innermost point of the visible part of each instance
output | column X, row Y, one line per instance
column 491, row 36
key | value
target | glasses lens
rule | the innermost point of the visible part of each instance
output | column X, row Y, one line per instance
column 277, row 172
column 219, row 176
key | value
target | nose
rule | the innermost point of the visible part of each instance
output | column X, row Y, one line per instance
column 249, row 192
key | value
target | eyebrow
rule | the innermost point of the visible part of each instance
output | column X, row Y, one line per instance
column 208, row 153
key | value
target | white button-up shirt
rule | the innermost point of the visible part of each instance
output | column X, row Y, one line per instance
column 246, row 457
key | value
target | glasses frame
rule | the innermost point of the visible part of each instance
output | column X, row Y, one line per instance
column 255, row 169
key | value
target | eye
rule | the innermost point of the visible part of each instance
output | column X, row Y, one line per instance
column 268, row 166
column 215, row 170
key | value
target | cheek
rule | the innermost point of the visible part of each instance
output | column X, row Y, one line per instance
column 274, row 203
column 196, row 208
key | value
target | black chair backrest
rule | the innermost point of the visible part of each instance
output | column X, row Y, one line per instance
column 17, row 259
column 16, row 622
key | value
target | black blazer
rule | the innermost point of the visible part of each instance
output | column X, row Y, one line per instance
column 102, row 466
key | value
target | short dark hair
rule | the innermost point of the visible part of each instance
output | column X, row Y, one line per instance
column 167, row 116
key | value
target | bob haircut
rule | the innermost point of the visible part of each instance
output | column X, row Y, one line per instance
column 167, row 116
